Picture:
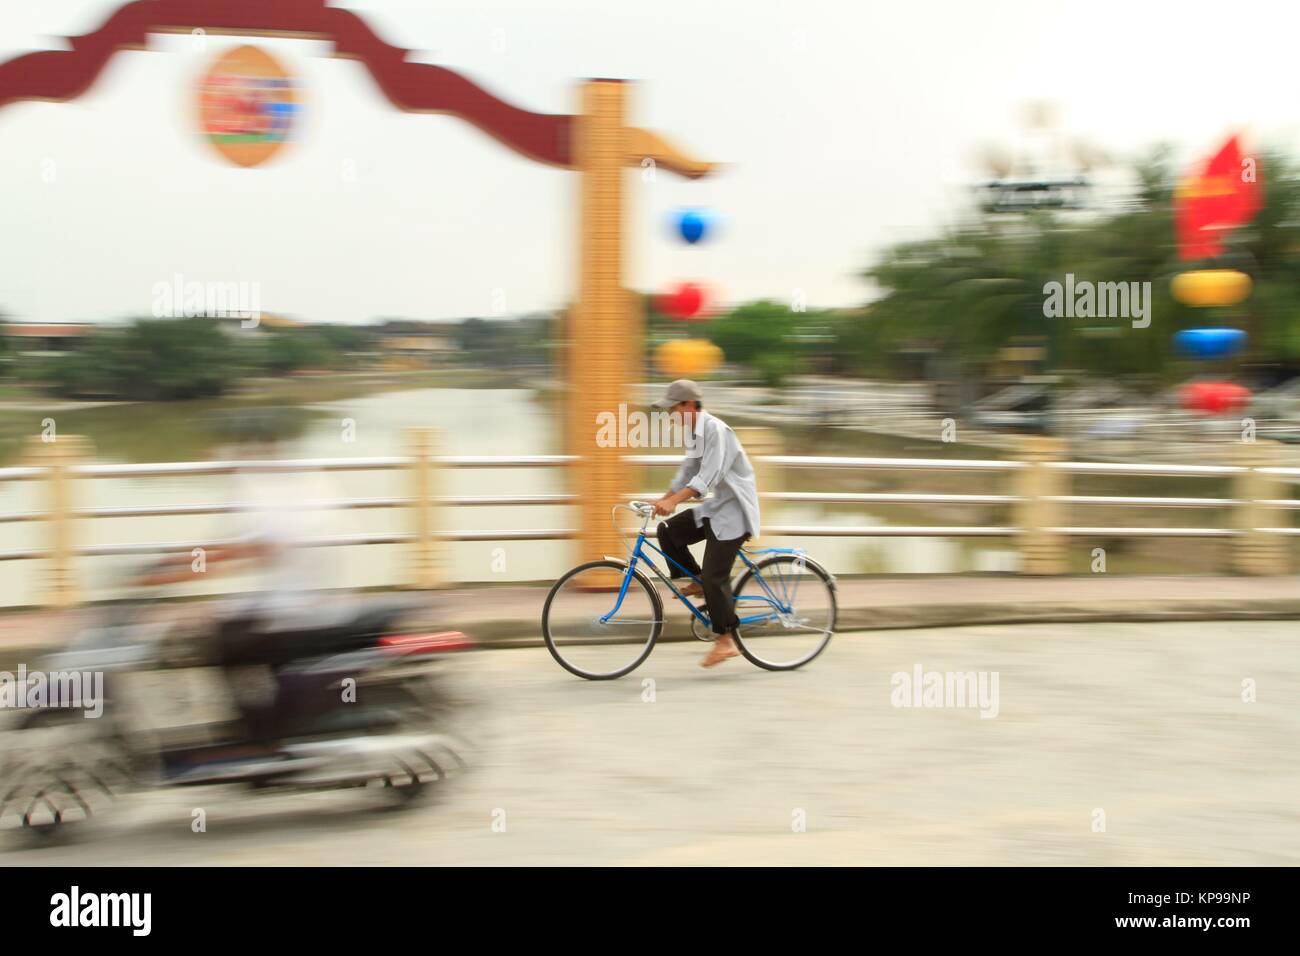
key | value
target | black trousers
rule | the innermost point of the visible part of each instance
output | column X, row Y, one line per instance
column 675, row 535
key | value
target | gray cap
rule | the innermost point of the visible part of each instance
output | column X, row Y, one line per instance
column 682, row 390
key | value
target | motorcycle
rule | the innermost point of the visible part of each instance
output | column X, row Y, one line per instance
column 354, row 701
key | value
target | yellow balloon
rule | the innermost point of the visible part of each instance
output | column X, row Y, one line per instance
column 1207, row 288
column 688, row 358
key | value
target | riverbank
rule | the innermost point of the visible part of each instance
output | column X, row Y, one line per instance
column 188, row 430
column 299, row 388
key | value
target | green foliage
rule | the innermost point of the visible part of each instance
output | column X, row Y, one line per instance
column 168, row 359
column 146, row 360
column 163, row 359
column 500, row 343
column 343, row 339
column 754, row 332
column 291, row 350
column 773, row 368
column 970, row 292
column 771, row 339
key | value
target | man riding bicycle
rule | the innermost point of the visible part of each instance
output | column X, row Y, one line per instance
column 715, row 462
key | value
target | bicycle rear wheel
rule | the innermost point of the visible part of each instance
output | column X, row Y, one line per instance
column 589, row 632
column 787, row 612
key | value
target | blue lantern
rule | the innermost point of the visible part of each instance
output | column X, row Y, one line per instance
column 692, row 224
column 1209, row 343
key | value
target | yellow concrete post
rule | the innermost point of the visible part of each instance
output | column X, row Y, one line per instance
column 428, row 551
column 760, row 443
column 605, row 332
column 1255, row 551
column 1042, row 551
column 59, row 456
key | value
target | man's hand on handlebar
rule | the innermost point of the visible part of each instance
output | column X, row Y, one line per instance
column 668, row 503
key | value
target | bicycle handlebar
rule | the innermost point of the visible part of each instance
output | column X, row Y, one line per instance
column 642, row 509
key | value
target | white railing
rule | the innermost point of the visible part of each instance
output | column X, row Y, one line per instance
column 1036, row 501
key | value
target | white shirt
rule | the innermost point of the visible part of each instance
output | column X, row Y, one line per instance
column 284, row 511
column 715, row 462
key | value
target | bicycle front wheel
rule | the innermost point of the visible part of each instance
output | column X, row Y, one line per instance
column 786, row 611
column 590, row 632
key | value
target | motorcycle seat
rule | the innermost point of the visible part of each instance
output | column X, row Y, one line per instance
column 355, row 626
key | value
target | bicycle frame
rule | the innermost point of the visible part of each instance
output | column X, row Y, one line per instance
column 769, row 598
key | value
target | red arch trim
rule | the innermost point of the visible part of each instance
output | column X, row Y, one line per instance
column 413, row 87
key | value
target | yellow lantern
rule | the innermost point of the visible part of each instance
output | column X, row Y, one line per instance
column 688, row 358
column 1207, row 288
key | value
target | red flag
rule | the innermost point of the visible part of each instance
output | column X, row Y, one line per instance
column 1224, row 196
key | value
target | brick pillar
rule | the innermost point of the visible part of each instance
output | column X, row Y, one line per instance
column 604, row 340
column 1255, row 551
column 428, row 567
column 59, row 457
column 1041, row 551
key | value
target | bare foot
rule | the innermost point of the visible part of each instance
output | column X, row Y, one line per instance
column 723, row 648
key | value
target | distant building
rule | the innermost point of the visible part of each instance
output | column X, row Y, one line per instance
column 1021, row 356
column 33, row 338
column 266, row 322
column 411, row 343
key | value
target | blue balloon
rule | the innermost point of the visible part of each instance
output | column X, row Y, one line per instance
column 1209, row 343
column 692, row 224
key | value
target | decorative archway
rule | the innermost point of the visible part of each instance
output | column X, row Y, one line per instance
column 604, row 331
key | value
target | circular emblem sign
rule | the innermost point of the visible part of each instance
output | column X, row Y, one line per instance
column 248, row 106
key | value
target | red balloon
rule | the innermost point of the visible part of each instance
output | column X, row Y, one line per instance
column 1215, row 398
column 684, row 302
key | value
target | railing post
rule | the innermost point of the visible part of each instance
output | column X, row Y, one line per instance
column 427, row 558
column 1042, row 551
column 59, row 456
column 1255, row 551
column 760, row 443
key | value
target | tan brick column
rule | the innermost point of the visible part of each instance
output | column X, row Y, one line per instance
column 1041, row 551
column 60, row 457
column 1254, row 551
column 428, row 564
column 604, row 342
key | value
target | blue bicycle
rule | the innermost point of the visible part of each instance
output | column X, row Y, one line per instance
column 601, row 619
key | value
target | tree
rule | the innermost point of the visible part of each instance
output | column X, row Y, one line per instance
column 971, row 291
column 289, row 350
column 147, row 360
column 768, row 337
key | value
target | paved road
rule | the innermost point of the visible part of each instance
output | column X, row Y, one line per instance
column 1144, row 723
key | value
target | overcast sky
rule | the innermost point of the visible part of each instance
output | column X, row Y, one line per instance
column 845, row 126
